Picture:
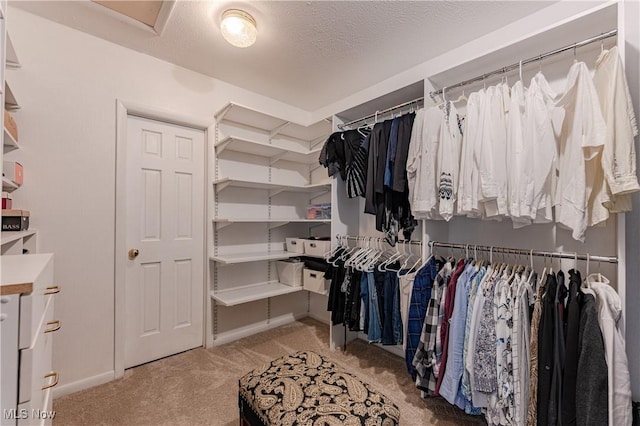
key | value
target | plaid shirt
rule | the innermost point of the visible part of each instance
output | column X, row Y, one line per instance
column 425, row 358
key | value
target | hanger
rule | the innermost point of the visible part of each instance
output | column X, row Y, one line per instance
column 460, row 98
column 520, row 67
column 575, row 53
column 585, row 286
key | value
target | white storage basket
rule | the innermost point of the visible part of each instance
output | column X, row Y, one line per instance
column 316, row 247
column 314, row 281
column 290, row 272
column 295, row 245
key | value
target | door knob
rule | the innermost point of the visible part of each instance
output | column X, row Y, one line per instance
column 133, row 253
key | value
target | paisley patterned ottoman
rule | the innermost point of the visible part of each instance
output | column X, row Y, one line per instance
column 307, row 389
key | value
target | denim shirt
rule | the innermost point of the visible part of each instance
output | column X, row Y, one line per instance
column 450, row 387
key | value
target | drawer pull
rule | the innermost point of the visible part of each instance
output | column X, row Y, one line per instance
column 55, row 326
column 54, row 382
column 52, row 290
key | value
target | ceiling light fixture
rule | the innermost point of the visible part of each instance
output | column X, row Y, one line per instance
column 238, row 28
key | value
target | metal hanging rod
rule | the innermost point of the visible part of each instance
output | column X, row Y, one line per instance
column 556, row 255
column 517, row 65
column 383, row 112
column 365, row 239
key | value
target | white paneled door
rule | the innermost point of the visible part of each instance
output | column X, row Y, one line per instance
column 165, row 234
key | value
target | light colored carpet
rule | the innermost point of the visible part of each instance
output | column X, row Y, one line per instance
column 200, row 387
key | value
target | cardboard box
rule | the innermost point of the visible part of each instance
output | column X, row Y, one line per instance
column 10, row 125
column 15, row 220
column 13, row 171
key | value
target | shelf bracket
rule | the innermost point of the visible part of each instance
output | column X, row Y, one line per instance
column 221, row 147
column 314, row 168
column 317, row 141
column 274, row 225
column 316, row 225
column 220, row 115
column 319, row 194
column 221, row 225
column 221, row 186
column 277, row 130
column 275, row 192
column 273, row 160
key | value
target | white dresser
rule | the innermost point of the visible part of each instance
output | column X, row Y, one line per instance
column 28, row 376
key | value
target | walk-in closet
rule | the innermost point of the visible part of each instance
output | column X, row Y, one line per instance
column 296, row 213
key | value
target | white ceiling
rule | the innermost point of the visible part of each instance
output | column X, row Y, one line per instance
column 309, row 54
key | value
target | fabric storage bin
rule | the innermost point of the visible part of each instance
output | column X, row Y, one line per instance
column 290, row 272
column 314, row 281
column 295, row 245
column 316, row 247
column 15, row 220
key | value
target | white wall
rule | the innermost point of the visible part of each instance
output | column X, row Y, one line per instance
column 68, row 86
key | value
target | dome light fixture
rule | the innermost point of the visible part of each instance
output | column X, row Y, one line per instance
column 238, row 28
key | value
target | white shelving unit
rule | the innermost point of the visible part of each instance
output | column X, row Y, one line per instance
column 12, row 243
column 264, row 176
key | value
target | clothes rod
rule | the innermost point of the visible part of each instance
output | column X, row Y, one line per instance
column 512, row 67
column 384, row 111
column 365, row 238
column 556, row 255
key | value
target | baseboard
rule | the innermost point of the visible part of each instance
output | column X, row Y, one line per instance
column 322, row 318
column 83, row 384
column 252, row 329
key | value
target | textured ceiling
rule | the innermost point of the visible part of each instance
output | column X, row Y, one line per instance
column 308, row 54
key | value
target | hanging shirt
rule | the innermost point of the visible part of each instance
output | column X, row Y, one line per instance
column 583, row 135
column 542, row 127
column 493, row 153
column 469, row 185
column 422, row 164
column 609, row 307
column 618, row 176
column 519, row 166
column 449, row 160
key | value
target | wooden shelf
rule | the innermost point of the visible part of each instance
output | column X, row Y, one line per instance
column 9, row 142
column 236, row 113
column 230, row 259
column 273, row 152
column 251, row 293
column 8, row 186
column 11, row 56
column 10, row 102
column 9, row 237
column 223, row 183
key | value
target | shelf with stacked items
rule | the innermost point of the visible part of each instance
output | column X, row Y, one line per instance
column 252, row 292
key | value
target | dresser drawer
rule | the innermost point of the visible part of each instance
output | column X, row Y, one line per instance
column 35, row 361
column 32, row 306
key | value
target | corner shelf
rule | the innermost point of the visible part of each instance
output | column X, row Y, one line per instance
column 251, row 293
column 8, row 186
column 8, row 237
column 11, row 60
column 230, row 259
column 10, row 102
column 223, row 183
column 273, row 152
column 273, row 223
column 237, row 113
